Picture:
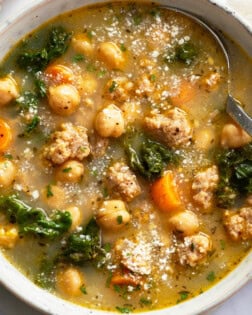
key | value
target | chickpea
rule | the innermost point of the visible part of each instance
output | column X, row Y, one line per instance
column 185, row 222
column 111, row 54
column 204, row 138
column 70, row 172
column 113, row 215
column 7, row 173
column 87, row 84
column 8, row 90
column 233, row 136
column 63, row 99
column 8, row 235
column 76, row 216
column 54, row 196
column 109, row 122
column 82, row 45
column 69, row 281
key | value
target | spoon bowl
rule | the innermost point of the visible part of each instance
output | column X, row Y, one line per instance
column 233, row 106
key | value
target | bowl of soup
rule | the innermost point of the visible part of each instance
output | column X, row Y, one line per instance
column 124, row 185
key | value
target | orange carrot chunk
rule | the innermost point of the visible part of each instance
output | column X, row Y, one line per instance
column 5, row 135
column 59, row 74
column 186, row 93
column 164, row 193
column 125, row 279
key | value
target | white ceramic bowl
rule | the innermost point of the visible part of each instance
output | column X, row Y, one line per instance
column 37, row 12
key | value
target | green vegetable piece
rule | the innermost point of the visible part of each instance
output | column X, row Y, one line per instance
column 183, row 296
column 123, row 48
column 45, row 277
column 27, row 100
column 32, row 125
column 41, row 88
column 147, row 157
column 113, row 87
column 119, row 219
column 186, row 53
column 235, row 167
column 78, row 58
column 222, row 244
column 211, row 276
column 56, row 46
column 35, row 221
column 83, row 289
column 67, row 170
column 84, row 246
column 145, row 301
column 49, row 192
column 124, row 309
column 8, row 156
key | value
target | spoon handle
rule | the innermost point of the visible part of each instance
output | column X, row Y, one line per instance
column 238, row 114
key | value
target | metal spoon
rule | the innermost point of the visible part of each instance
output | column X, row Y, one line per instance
column 233, row 106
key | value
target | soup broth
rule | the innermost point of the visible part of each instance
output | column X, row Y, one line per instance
column 124, row 184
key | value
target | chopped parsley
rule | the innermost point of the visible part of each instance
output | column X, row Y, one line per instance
column 113, row 87
column 222, row 244
column 124, row 309
column 32, row 125
column 8, row 156
column 83, row 289
column 105, row 192
column 183, row 296
column 67, row 169
column 211, row 276
column 27, row 101
column 90, row 34
column 145, row 301
column 107, row 247
column 152, row 78
column 78, row 58
column 119, row 219
column 123, row 48
column 49, row 192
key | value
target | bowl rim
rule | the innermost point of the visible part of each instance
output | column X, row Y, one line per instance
column 233, row 281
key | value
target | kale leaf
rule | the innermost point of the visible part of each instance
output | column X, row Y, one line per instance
column 235, row 166
column 32, row 125
column 56, row 46
column 27, row 100
column 40, row 86
column 35, row 221
column 84, row 245
column 184, row 53
column 45, row 277
column 147, row 157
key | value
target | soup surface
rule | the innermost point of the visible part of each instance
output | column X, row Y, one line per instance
column 124, row 184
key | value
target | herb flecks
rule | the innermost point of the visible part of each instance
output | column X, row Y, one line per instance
column 49, row 192
column 211, row 276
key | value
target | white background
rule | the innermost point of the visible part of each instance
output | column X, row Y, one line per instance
column 239, row 304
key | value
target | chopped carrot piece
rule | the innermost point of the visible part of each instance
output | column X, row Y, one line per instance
column 59, row 74
column 125, row 279
column 5, row 135
column 164, row 193
column 187, row 92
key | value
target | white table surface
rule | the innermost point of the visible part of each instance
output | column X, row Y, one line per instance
column 239, row 304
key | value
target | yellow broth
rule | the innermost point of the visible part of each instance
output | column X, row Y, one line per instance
column 144, row 33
